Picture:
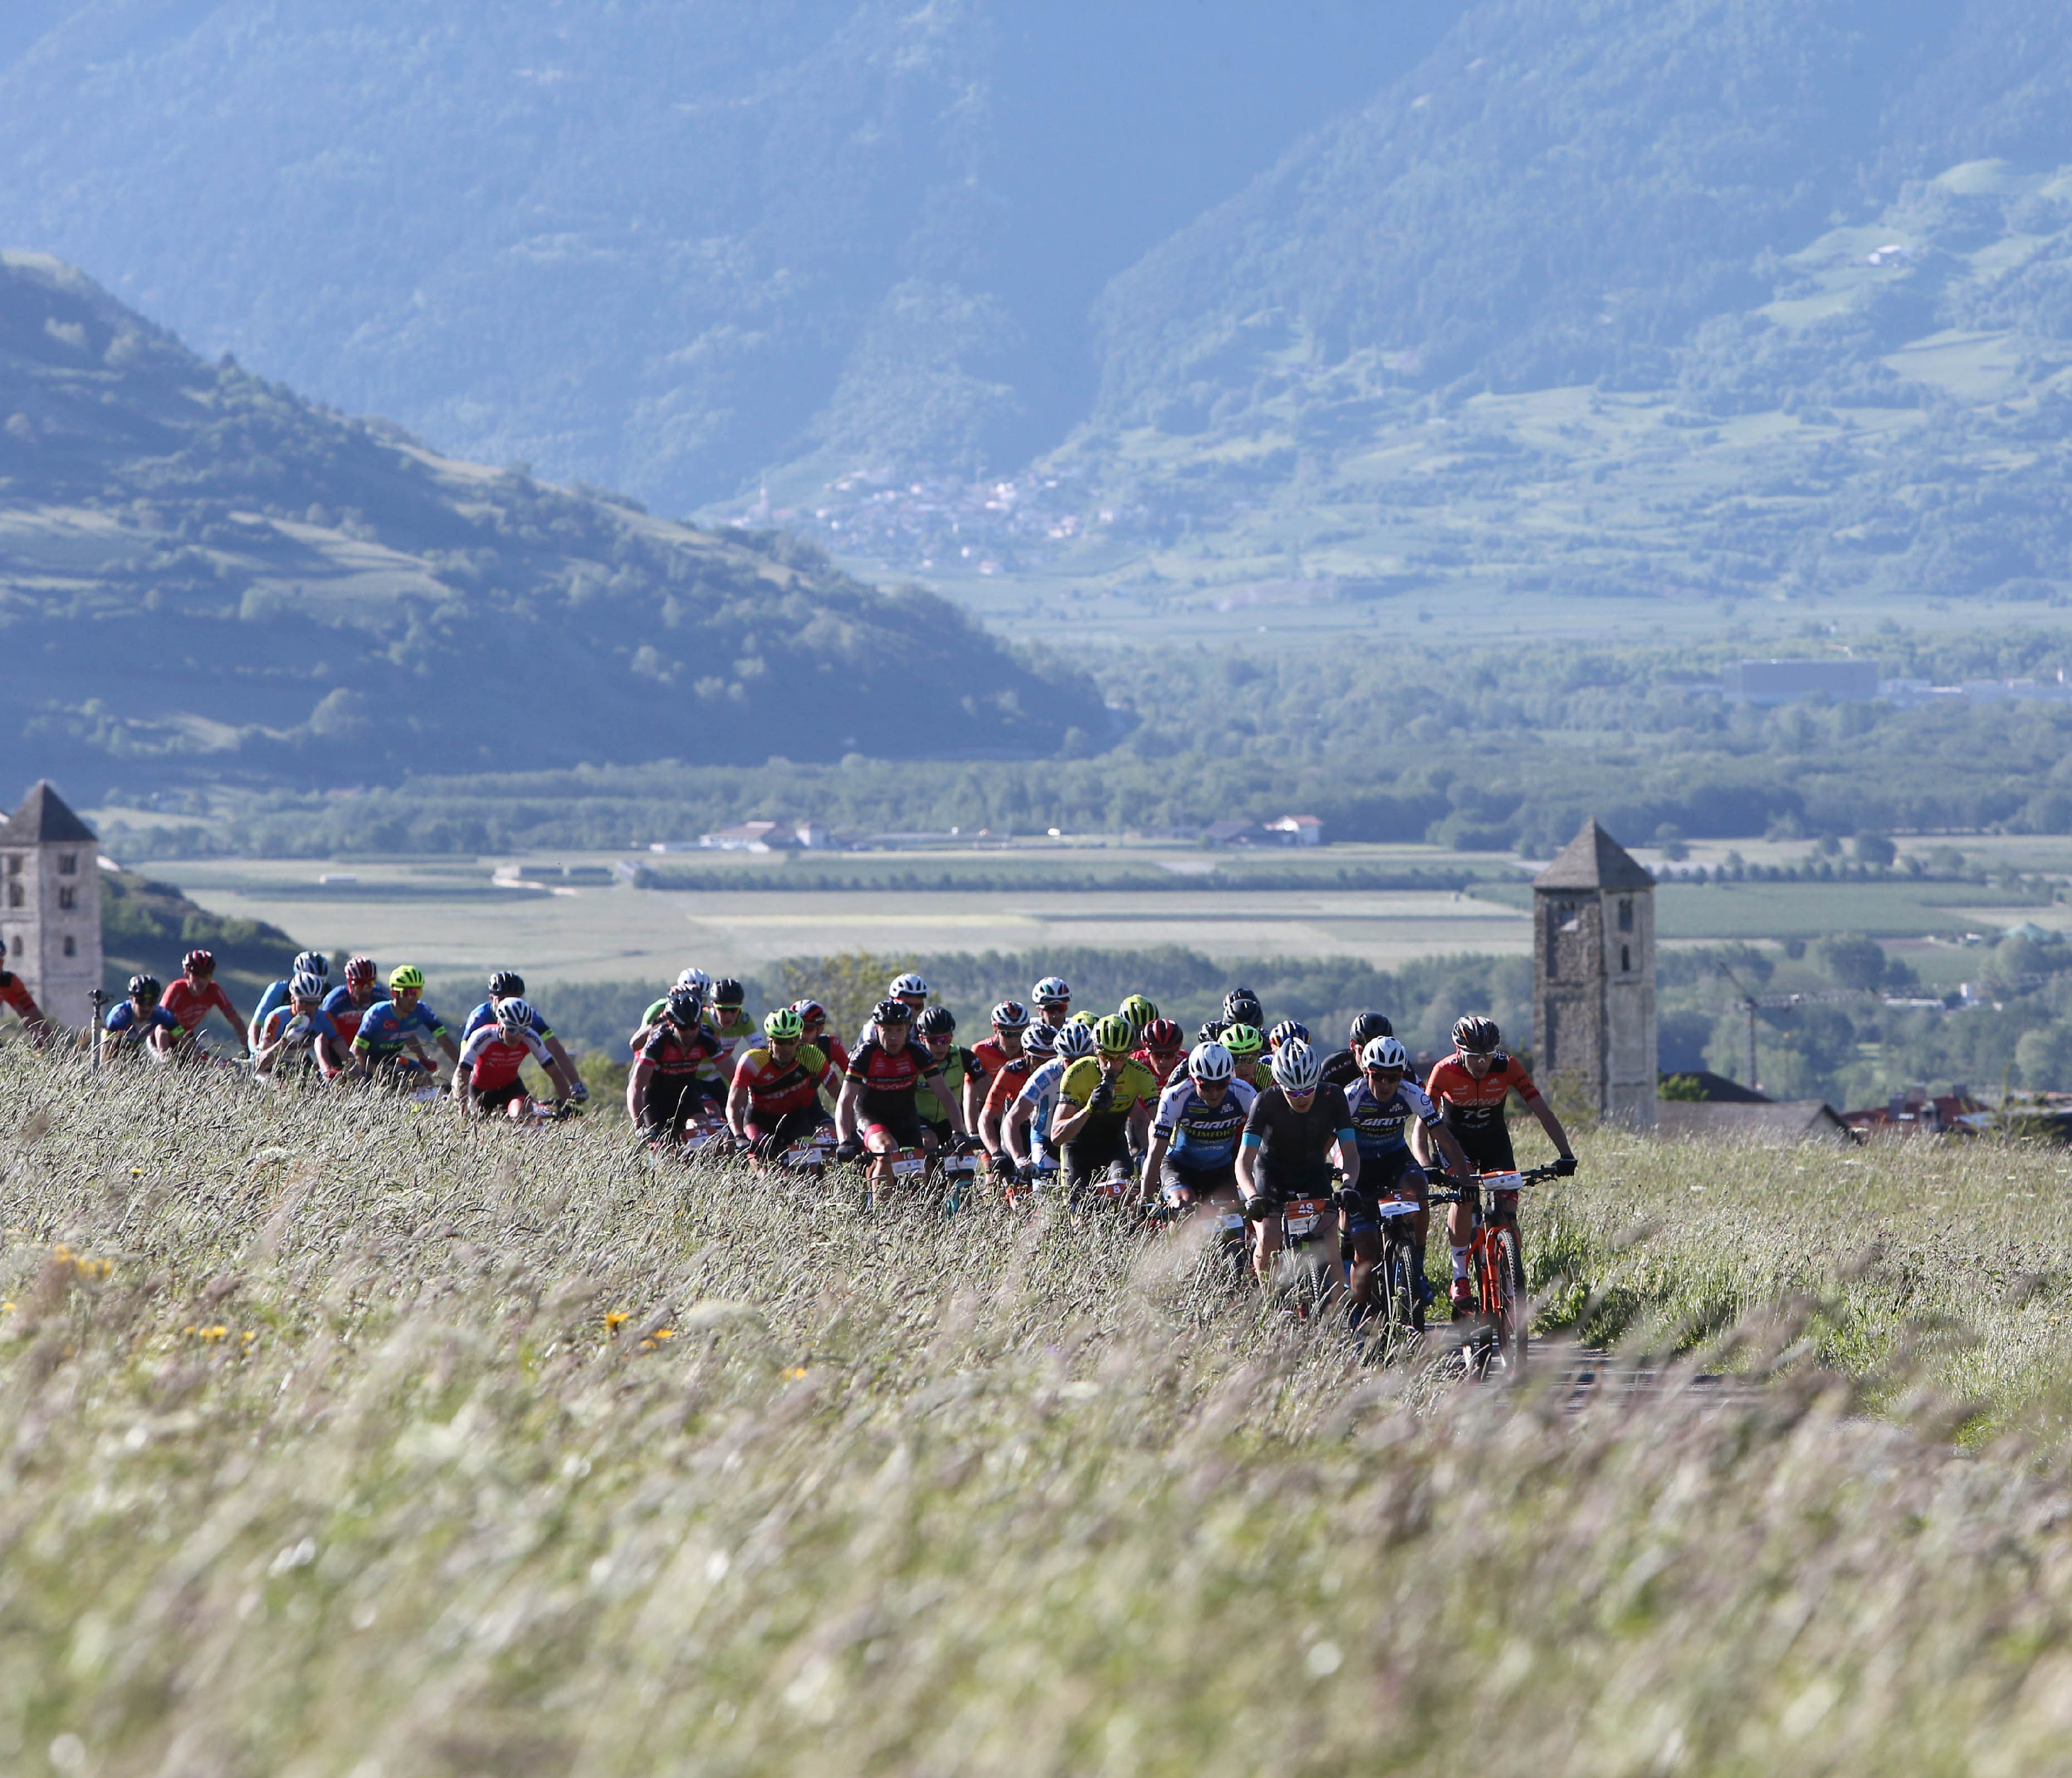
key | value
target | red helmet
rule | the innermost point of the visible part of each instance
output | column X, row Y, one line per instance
column 199, row 963
column 1162, row 1034
column 811, row 1012
column 360, row 972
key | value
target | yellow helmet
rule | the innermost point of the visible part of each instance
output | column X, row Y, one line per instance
column 406, row 975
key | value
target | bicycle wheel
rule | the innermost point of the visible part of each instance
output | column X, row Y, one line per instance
column 1508, row 1265
column 1405, row 1314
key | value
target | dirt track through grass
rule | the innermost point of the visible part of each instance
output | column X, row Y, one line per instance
column 324, row 1449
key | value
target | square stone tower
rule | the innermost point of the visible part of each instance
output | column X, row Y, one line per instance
column 1593, row 977
column 50, row 904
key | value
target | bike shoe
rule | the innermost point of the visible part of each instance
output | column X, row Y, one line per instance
column 1464, row 1300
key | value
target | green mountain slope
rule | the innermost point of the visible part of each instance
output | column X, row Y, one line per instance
column 199, row 570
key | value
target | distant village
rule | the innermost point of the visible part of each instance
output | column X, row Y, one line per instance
column 766, row 836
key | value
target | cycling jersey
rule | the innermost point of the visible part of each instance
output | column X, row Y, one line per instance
column 956, row 1066
column 776, row 1089
column 1381, row 1128
column 1004, row 1085
column 14, row 993
column 884, row 1073
column 189, row 1005
column 1132, row 1084
column 384, row 1031
column 676, row 1053
column 1468, row 1103
column 987, row 1058
column 485, row 1014
column 1201, row 1137
column 124, row 1021
column 344, row 1011
column 1163, row 1071
column 730, row 1034
column 1293, row 1148
column 276, row 995
column 493, row 1059
column 1341, row 1068
column 296, row 1032
column 1039, row 1092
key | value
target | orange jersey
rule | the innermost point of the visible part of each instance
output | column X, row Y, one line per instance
column 1002, row 1086
column 1462, row 1099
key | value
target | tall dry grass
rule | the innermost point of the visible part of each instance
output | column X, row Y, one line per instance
column 324, row 1450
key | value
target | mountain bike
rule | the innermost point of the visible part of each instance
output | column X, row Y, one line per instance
column 1309, row 1257
column 1496, row 1264
column 1402, row 1302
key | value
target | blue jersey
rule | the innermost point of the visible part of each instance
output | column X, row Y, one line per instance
column 1041, row 1093
column 1201, row 1137
column 1381, row 1128
column 299, row 1030
column 124, row 1018
column 276, row 995
column 385, row 1030
column 485, row 1014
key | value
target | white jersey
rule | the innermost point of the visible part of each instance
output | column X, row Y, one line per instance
column 482, row 1037
column 1040, row 1093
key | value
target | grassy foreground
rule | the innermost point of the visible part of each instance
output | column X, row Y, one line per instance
column 324, row 1449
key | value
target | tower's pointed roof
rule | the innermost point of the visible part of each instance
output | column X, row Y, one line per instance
column 1593, row 861
column 44, row 815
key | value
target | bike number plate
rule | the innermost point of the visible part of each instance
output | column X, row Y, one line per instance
column 1503, row 1182
column 1230, row 1222
column 806, row 1154
column 1301, row 1217
column 907, row 1165
column 961, row 1167
column 1397, row 1207
column 700, row 1138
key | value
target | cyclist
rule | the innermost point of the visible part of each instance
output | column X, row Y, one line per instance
column 1103, row 1109
column 1195, row 1132
column 910, row 991
column 1009, row 1020
column 347, row 1005
column 696, row 979
column 1245, row 1045
column 1030, row 1113
column 1396, row 1129
column 486, row 1078
column 306, row 963
column 727, row 1022
column 813, row 1018
column 1054, row 1000
column 1291, row 1134
column 936, row 1027
column 1139, row 1012
column 1005, row 1082
column 194, row 993
column 1469, row 1088
column 139, row 1019
column 1164, row 1050
column 666, row 1089
column 14, row 993
column 400, row 1024
column 303, row 1032
column 1288, row 1031
column 774, row 1101
column 1241, row 1007
column 1342, row 1067
column 879, row 1096
column 508, row 984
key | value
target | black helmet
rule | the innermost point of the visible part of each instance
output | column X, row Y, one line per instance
column 1476, row 1036
column 726, row 991
column 1365, row 1028
column 144, row 988
column 684, row 1005
column 892, row 1013
column 504, row 984
column 1213, row 1030
column 1241, row 1007
column 936, row 1021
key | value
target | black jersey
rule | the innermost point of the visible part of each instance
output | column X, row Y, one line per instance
column 1294, row 1148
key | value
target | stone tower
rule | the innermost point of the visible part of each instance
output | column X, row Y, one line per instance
column 1593, row 977
column 50, row 904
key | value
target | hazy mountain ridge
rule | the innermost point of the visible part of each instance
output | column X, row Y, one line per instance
column 205, row 570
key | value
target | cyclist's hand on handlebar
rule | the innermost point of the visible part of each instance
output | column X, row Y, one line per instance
column 1006, row 1169
column 1257, row 1209
column 1565, row 1166
column 848, row 1149
column 1348, row 1198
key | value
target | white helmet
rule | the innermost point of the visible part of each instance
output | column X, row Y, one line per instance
column 1296, row 1069
column 1039, row 1040
column 697, row 979
column 306, row 985
column 513, row 1014
column 1075, row 1041
column 1385, row 1053
column 1051, row 990
column 908, row 983
column 1210, row 1062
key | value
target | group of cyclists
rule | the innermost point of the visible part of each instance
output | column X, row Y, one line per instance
column 1249, row 1119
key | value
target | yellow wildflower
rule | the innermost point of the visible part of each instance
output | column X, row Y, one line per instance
column 616, row 1319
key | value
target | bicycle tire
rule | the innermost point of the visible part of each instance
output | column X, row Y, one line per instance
column 1512, row 1334
column 1400, row 1288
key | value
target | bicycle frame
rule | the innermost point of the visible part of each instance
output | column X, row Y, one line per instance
column 1496, row 1264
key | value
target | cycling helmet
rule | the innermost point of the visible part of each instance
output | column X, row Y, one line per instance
column 144, row 988
column 513, row 1014
column 936, row 1021
column 1476, row 1036
column 1212, row 1031
column 1138, row 1011
column 1010, row 1015
column 1241, row 1007
column 684, row 1005
column 311, row 962
column 1385, row 1053
column 1089, row 1019
column 503, row 983
column 1365, row 1028
column 406, row 975
column 1162, row 1035
column 695, row 978
column 1210, row 1062
column 726, row 991
column 360, row 973
column 783, row 1026
column 1051, row 992
column 1288, row 1031
column 1296, row 1069
column 1039, row 1040
column 1243, row 1040
column 892, row 1013
column 1074, row 1041
column 303, row 986
column 811, row 1012
column 199, row 963
column 908, row 983
column 1112, row 1036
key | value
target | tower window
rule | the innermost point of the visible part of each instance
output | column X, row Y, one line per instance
column 1625, row 913
column 13, row 895
column 67, row 864
column 72, row 946
column 66, row 896
column 14, row 863
column 1626, row 959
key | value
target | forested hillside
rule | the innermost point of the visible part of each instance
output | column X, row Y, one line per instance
column 200, row 572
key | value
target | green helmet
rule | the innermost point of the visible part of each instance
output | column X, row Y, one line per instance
column 1139, row 1012
column 783, row 1026
column 1089, row 1019
column 1242, row 1041
column 406, row 975
column 1112, row 1036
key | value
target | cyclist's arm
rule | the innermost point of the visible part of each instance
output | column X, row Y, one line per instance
column 446, row 1043
column 1349, row 1159
column 558, row 1076
column 1154, row 1162
column 845, row 1105
column 1065, row 1125
column 1552, row 1126
column 463, row 1088
column 1019, row 1113
column 737, row 1103
column 555, row 1049
column 976, row 1088
column 1248, row 1155
column 636, row 1090
column 959, row 1124
column 1140, row 1126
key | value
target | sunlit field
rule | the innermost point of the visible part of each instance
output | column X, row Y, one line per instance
column 341, row 1438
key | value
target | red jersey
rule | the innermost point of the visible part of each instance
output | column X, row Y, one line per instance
column 1475, row 1104
column 833, row 1048
column 886, row 1072
column 14, row 991
column 776, row 1088
column 1164, row 1069
column 990, row 1058
column 189, row 1002
column 1006, row 1083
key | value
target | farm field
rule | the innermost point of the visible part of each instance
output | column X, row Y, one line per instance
column 528, row 1455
